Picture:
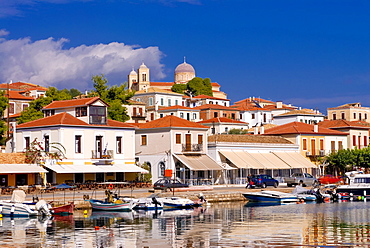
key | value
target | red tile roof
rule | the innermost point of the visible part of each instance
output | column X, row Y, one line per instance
column 222, row 120
column 161, row 83
column 73, row 103
column 171, row 121
column 65, row 119
column 337, row 124
column 23, row 86
column 17, row 96
column 300, row 128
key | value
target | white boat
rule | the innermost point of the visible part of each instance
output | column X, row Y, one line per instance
column 358, row 186
column 148, row 203
column 117, row 205
column 177, row 202
column 18, row 206
column 270, row 196
column 305, row 194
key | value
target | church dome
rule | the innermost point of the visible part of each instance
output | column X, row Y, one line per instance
column 133, row 72
column 184, row 67
column 142, row 66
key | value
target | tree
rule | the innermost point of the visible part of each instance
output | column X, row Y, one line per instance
column 37, row 154
column 115, row 96
column 198, row 86
column 237, row 131
column 179, row 88
column 34, row 110
column 4, row 101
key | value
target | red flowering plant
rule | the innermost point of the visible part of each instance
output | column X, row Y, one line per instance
column 37, row 154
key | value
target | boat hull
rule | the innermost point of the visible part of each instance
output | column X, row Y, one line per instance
column 107, row 206
column 17, row 209
column 64, row 210
column 177, row 202
column 277, row 197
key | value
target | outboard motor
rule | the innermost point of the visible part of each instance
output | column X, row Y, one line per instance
column 319, row 197
column 156, row 202
column 43, row 208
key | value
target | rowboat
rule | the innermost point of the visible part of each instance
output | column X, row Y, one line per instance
column 117, row 205
column 177, row 202
column 64, row 209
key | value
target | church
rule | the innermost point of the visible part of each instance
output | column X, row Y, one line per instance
column 140, row 80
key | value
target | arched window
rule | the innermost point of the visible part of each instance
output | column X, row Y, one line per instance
column 162, row 167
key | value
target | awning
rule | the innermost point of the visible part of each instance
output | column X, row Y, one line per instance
column 58, row 168
column 252, row 162
column 198, row 162
column 268, row 161
column 20, row 168
column 294, row 159
column 233, row 157
column 275, row 161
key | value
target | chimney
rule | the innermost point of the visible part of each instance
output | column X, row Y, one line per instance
column 279, row 104
column 262, row 130
column 315, row 128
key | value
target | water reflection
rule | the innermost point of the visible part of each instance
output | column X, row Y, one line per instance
column 220, row 225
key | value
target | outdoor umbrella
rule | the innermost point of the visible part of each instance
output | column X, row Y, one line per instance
column 62, row 186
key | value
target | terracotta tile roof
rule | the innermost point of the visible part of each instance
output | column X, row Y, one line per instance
column 23, row 86
column 348, row 105
column 12, row 158
column 214, row 106
column 300, row 128
column 135, row 102
column 209, row 97
column 17, row 96
column 171, row 121
column 301, row 112
column 271, row 107
column 178, row 107
column 265, row 126
column 254, row 99
column 338, row 124
column 161, row 83
column 215, row 84
column 222, row 120
column 65, row 119
column 73, row 103
column 15, row 115
column 248, row 139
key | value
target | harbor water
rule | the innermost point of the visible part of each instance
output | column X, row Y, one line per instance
column 235, row 224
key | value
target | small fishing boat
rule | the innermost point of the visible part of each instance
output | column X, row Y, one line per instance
column 177, row 202
column 64, row 209
column 270, row 196
column 117, row 205
column 149, row 203
column 358, row 187
column 18, row 206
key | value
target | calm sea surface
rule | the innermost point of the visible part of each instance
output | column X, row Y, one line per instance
column 344, row 224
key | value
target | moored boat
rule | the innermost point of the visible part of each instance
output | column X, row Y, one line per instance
column 177, row 202
column 359, row 186
column 270, row 196
column 64, row 209
column 117, row 205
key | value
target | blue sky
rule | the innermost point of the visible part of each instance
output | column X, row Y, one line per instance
column 313, row 54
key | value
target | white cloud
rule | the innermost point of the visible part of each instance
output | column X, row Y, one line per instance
column 3, row 32
column 46, row 63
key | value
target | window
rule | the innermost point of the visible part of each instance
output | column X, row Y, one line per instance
column 321, row 144
column 24, row 106
column 359, row 116
column 253, row 116
column 138, row 99
column 365, row 140
column 162, row 101
column 354, row 140
column 118, row 145
column 152, row 116
column 78, row 145
column 178, row 138
column 27, row 142
column 343, row 116
column 143, row 77
column 332, row 144
column 46, row 142
column 264, row 117
column 304, row 144
column 194, row 116
column 143, row 140
column 182, row 115
column 150, row 101
column 365, row 116
column 169, row 102
column 213, row 130
column 176, row 102
column 226, row 129
column 162, row 167
column 240, row 117
column 233, row 116
column 334, row 116
column 97, row 115
column 340, row 145
column 200, row 139
column 11, row 108
column 160, row 115
column 215, row 114
column 354, row 116
column 81, row 111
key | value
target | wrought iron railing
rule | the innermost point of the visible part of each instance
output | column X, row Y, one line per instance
column 102, row 155
column 192, row 147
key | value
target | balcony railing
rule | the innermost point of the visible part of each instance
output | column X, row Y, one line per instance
column 192, row 147
column 102, row 155
column 316, row 153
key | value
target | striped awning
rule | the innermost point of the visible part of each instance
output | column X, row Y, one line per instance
column 58, row 168
column 21, row 168
column 295, row 159
column 198, row 162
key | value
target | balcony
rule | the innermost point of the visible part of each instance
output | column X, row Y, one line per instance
column 316, row 153
column 103, row 157
column 195, row 148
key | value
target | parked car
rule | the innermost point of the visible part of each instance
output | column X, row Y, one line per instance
column 330, row 179
column 166, row 183
column 262, row 181
column 304, row 179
